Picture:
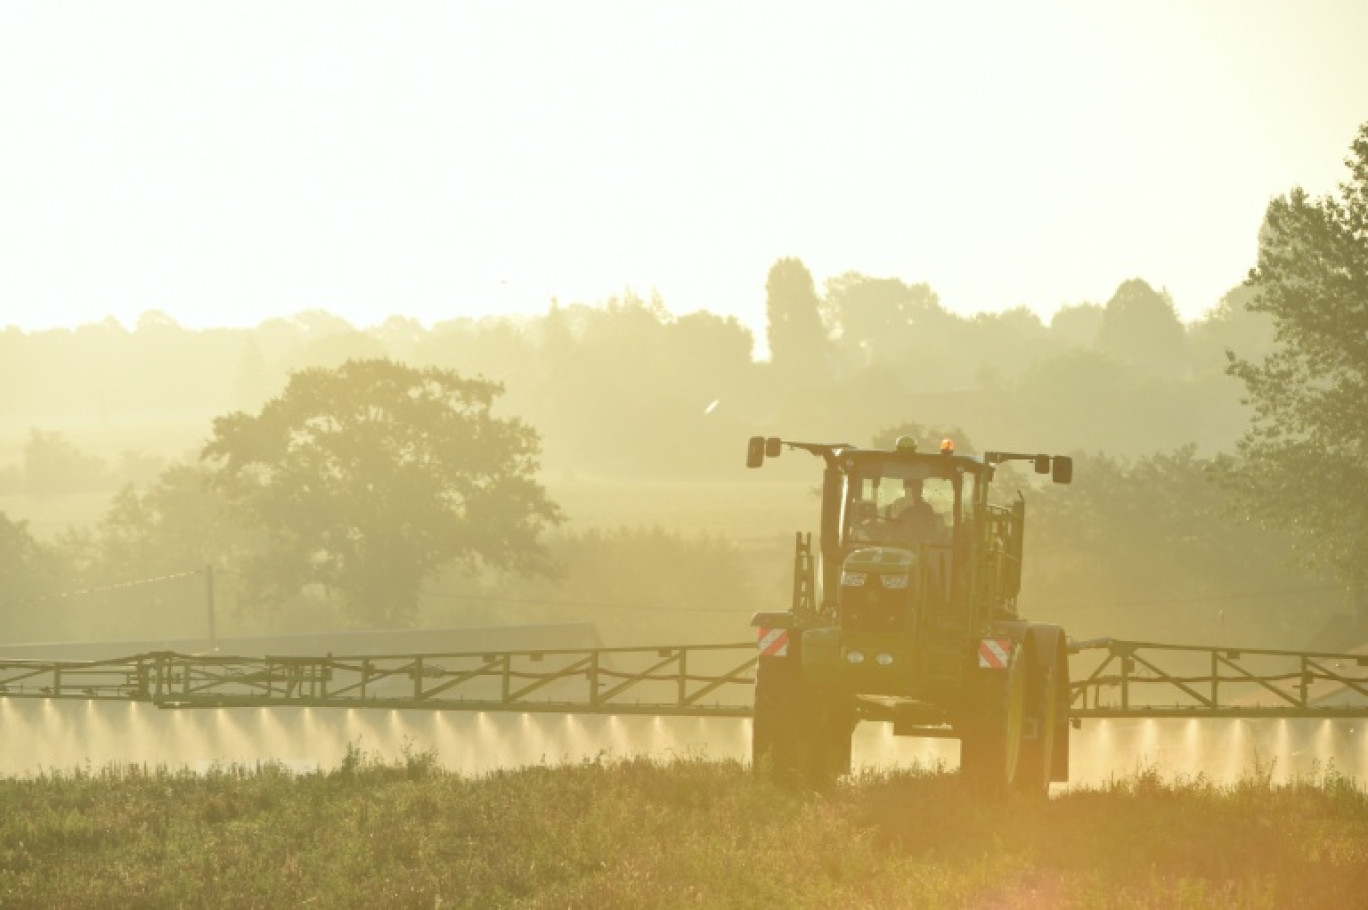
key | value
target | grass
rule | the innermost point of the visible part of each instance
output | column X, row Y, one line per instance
column 688, row 833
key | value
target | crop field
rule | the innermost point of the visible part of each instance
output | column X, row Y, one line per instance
column 634, row 833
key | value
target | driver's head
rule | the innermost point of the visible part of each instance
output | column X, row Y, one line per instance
column 912, row 488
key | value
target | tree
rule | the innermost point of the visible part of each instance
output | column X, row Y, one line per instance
column 142, row 567
column 797, row 338
column 28, row 573
column 181, row 523
column 1145, row 548
column 53, row 465
column 878, row 317
column 1306, row 450
column 369, row 477
column 1077, row 326
column 1140, row 325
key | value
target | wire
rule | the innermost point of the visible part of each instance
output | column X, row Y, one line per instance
column 118, row 586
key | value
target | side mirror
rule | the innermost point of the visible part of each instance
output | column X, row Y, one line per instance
column 772, row 447
column 755, row 452
column 1042, row 464
column 1063, row 469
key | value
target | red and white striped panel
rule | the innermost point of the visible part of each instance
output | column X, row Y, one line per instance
column 995, row 653
column 774, row 642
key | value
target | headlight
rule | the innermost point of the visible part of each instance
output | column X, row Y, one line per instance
column 855, row 657
column 884, row 660
column 853, row 579
column 895, row 581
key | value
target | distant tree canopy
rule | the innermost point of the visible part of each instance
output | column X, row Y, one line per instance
column 28, row 574
column 179, row 523
column 797, row 338
column 53, row 464
column 367, row 478
column 622, row 389
column 1077, row 325
column 1306, row 451
column 1147, row 547
column 1139, row 324
column 625, row 387
column 639, row 585
column 877, row 320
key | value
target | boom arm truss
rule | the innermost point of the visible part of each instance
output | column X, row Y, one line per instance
column 1111, row 678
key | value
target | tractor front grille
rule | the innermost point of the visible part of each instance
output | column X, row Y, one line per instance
column 872, row 607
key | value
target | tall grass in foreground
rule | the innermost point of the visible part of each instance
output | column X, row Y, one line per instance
column 690, row 833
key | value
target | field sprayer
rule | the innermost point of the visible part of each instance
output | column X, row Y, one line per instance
column 905, row 613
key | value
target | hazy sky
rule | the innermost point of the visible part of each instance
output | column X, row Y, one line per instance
column 226, row 162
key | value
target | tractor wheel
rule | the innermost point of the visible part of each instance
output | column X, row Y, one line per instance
column 798, row 735
column 991, row 743
column 833, row 723
column 1042, row 721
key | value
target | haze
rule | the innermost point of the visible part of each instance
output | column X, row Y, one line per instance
column 227, row 163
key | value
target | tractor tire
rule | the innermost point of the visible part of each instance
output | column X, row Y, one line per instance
column 992, row 739
column 1041, row 728
column 834, row 725
column 800, row 736
column 776, row 719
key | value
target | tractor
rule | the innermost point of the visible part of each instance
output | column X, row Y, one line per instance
column 906, row 613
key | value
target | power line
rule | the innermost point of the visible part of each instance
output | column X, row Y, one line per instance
column 117, row 586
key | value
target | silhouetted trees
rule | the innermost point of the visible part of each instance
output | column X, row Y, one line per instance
column 1077, row 325
column 30, row 574
column 1306, row 451
column 879, row 320
column 1153, row 547
column 797, row 339
column 626, row 389
column 1140, row 325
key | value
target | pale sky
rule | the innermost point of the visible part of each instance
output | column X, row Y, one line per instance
column 229, row 162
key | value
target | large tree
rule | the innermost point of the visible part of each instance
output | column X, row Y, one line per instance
column 369, row 477
column 1306, row 450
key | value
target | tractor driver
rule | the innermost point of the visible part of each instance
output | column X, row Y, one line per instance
column 915, row 520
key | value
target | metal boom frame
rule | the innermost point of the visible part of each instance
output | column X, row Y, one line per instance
column 1144, row 679
column 1111, row 679
column 692, row 680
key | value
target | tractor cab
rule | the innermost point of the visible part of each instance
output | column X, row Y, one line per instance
column 926, row 513
column 903, row 503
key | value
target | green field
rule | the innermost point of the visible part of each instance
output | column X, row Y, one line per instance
column 687, row 834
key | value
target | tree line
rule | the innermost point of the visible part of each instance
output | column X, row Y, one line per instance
column 1214, row 446
column 626, row 387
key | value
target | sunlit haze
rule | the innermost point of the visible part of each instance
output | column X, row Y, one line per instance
column 225, row 163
